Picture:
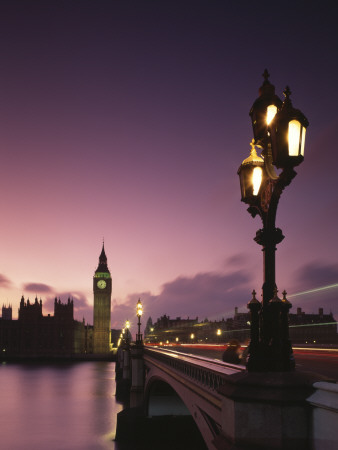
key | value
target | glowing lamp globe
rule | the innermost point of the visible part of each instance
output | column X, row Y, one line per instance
column 251, row 175
column 288, row 130
column 139, row 308
column 264, row 109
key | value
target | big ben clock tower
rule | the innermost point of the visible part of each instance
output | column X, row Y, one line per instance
column 102, row 305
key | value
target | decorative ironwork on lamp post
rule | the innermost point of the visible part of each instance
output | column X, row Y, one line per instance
column 279, row 135
column 139, row 310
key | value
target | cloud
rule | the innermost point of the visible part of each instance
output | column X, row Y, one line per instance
column 317, row 287
column 127, row 310
column 213, row 295
column 37, row 288
column 82, row 309
column 4, row 281
column 238, row 260
column 316, row 274
column 203, row 293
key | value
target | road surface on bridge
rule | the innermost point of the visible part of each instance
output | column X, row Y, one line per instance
column 321, row 361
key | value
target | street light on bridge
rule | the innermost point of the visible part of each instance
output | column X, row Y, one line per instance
column 139, row 310
column 127, row 330
column 279, row 134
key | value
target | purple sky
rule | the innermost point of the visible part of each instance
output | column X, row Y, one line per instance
column 128, row 120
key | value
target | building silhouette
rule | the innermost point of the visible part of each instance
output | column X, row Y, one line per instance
column 7, row 312
column 34, row 335
column 303, row 329
column 102, row 287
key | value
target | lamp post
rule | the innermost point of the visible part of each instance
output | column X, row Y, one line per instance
column 139, row 311
column 120, row 340
column 127, row 331
column 279, row 134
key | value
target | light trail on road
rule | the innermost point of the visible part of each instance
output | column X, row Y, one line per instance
column 323, row 361
column 311, row 291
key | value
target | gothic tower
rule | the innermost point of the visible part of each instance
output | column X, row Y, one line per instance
column 102, row 304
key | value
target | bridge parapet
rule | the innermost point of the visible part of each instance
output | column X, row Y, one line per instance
column 209, row 373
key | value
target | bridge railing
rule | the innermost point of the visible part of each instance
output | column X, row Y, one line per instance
column 209, row 373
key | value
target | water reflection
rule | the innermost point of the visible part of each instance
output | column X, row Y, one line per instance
column 64, row 406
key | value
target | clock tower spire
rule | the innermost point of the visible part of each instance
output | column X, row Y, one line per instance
column 102, row 287
column 102, row 267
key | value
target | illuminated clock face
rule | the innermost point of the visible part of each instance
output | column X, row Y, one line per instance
column 101, row 284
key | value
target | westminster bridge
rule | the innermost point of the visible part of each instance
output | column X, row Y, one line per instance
column 232, row 408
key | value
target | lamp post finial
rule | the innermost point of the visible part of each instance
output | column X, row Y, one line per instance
column 266, row 75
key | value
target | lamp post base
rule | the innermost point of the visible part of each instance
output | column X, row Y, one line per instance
column 267, row 411
column 270, row 348
column 270, row 358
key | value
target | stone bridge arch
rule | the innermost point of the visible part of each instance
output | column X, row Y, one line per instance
column 168, row 393
column 161, row 399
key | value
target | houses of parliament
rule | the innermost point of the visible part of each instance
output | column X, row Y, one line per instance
column 34, row 335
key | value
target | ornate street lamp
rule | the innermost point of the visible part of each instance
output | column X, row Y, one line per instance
column 139, row 311
column 287, row 130
column 264, row 109
column 279, row 133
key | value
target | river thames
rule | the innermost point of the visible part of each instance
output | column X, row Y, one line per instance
column 58, row 406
